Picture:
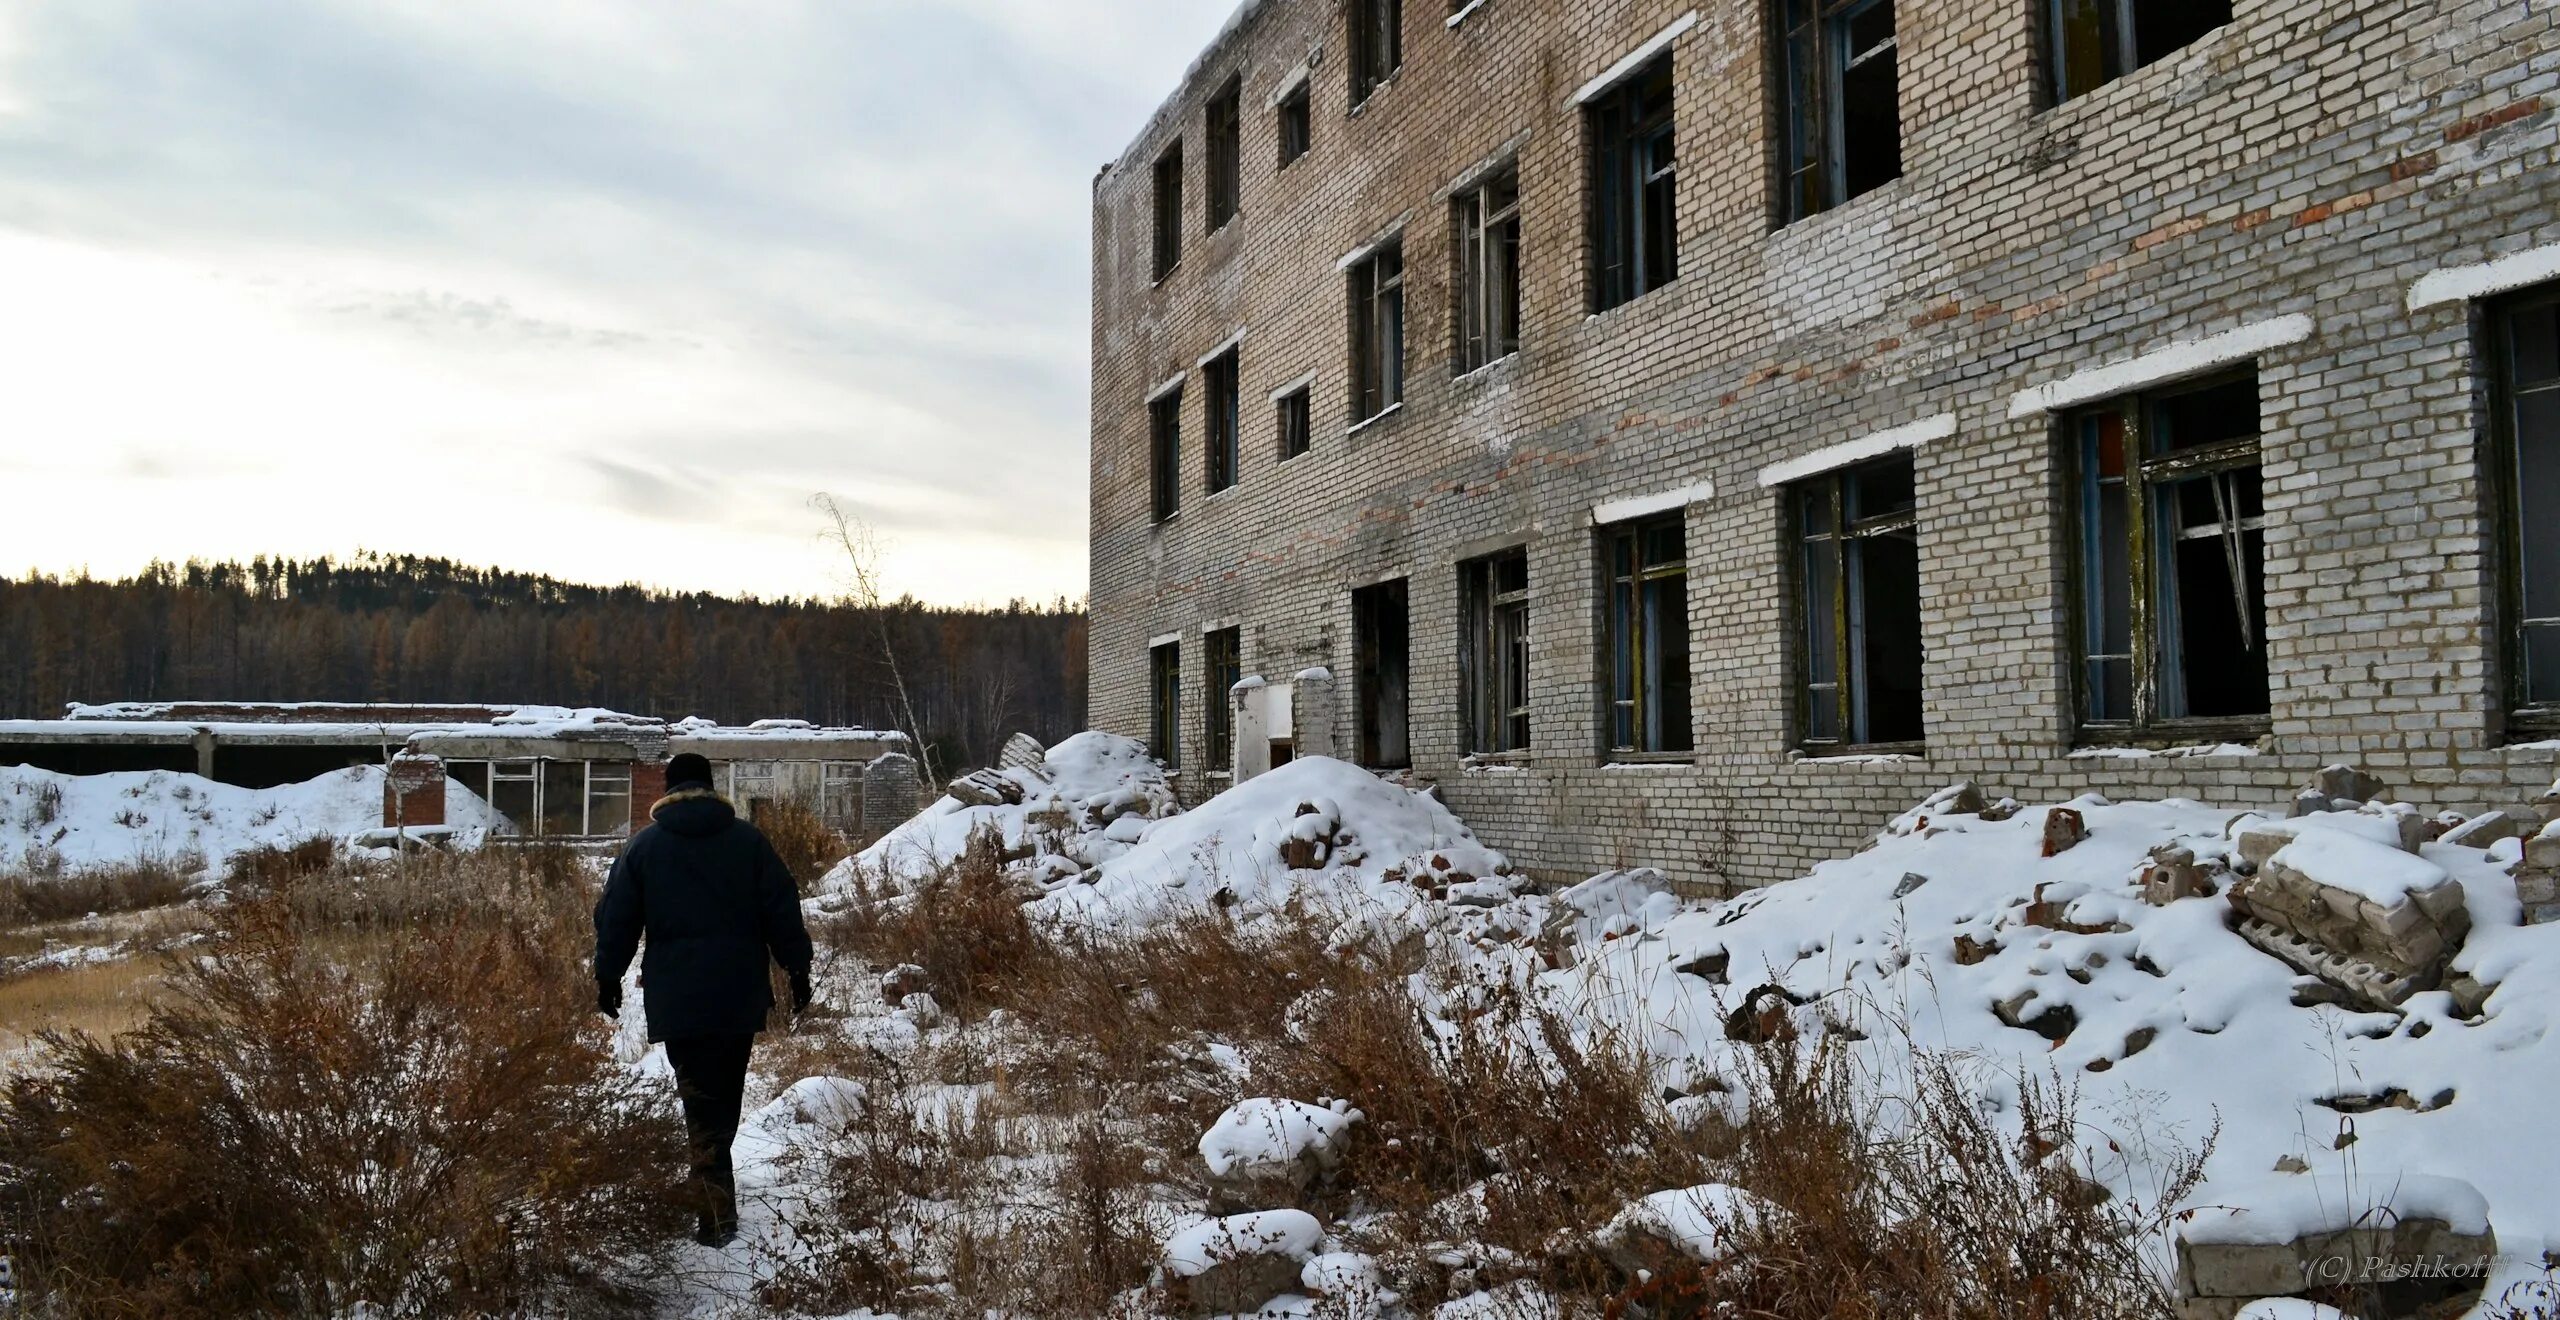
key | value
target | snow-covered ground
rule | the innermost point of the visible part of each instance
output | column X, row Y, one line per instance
column 53, row 823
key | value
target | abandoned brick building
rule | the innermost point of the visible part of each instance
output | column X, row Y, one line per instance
column 1689, row 432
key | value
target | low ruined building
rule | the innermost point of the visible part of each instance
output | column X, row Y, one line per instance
column 1690, row 431
column 549, row 772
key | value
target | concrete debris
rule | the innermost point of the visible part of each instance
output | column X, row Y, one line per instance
column 2338, row 788
column 1022, row 752
column 2063, row 828
column 985, row 788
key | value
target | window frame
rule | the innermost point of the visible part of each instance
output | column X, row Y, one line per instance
column 2118, row 55
column 1164, row 456
column 1168, row 211
column 1376, row 43
column 1221, row 668
column 1222, row 199
column 1485, row 285
column 1294, row 124
column 1377, row 313
column 1849, row 679
column 1813, row 141
column 1222, row 421
column 1371, row 606
column 1494, row 660
column 1631, row 642
column 1633, row 146
column 1293, row 416
column 1164, row 703
column 2144, row 473
column 2526, row 719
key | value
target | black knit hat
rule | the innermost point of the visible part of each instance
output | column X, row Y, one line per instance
column 688, row 770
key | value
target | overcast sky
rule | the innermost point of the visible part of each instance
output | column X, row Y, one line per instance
column 602, row 288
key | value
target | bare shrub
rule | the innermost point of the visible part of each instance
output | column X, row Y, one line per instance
column 808, row 846
column 433, row 1128
column 60, row 895
column 275, row 865
column 964, row 927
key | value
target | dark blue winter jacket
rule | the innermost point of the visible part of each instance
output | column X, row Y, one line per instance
column 714, row 901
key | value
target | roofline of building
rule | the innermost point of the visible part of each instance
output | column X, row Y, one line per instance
column 1238, row 25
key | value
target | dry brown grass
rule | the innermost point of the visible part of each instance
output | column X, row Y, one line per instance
column 807, row 846
column 27, row 899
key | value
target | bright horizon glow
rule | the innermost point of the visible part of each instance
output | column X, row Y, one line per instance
column 600, row 291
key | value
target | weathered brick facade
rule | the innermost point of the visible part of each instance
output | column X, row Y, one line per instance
column 2313, row 158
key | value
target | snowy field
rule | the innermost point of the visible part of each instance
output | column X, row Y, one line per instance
column 52, row 823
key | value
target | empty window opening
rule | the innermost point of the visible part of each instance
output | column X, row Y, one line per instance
column 1223, row 653
column 1377, row 44
column 1164, row 708
column 1860, row 671
column 1635, row 245
column 2525, row 337
column 1486, row 223
column 1226, row 154
column 1296, row 421
column 551, row 799
column 1377, row 331
column 1494, row 652
column 1646, row 564
column 1168, row 210
column 1379, row 656
column 840, row 796
column 1164, row 443
column 1839, row 72
column 1296, row 123
column 2097, row 41
column 1220, row 413
column 2172, row 557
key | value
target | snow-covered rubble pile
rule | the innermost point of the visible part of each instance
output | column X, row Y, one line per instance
column 1081, row 803
column 53, row 823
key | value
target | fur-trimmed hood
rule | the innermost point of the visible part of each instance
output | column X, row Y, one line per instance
column 693, row 811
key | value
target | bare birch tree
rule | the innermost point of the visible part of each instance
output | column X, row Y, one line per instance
column 860, row 546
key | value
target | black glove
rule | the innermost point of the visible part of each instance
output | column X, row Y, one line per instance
column 801, row 994
column 609, row 1000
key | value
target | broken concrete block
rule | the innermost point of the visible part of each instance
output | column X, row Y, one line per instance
column 2343, row 784
column 2482, row 830
column 1022, row 752
column 2174, row 874
column 984, row 788
column 2027, row 1012
column 2301, row 1237
column 2063, row 828
column 2358, row 900
column 1911, row 880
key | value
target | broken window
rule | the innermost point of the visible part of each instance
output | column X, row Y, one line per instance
column 1224, row 651
column 1635, row 246
column 1168, row 210
column 840, row 795
column 2172, row 576
column 2525, row 335
column 1164, row 445
column 1486, row 220
column 1377, row 331
column 2097, row 41
column 1379, row 639
column 1296, row 125
column 1226, row 154
column 1494, row 651
column 1861, row 606
column 1164, row 722
column 608, row 798
column 1223, row 418
column 1838, row 70
column 515, row 793
column 1648, row 634
column 1377, row 44
column 1297, row 421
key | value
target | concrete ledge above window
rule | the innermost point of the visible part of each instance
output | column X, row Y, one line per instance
column 2486, row 279
column 2159, row 366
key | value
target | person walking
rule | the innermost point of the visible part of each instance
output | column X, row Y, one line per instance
column 714, row 902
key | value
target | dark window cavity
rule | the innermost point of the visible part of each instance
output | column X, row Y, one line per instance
column 1377, row 44
column 1164, row 445
column 2172, row 553
column 1379, row 653
column 1221, row 413
column 2525, row 339
column 1297, row 422
column 2098, row 41
column 1168, row 210
column 1377, row 331
column 1494, row 651
column 1860, row 668
column 1225, row 654
column 1226, row 154
column 1296, row 125
column 1635, row 246
column 1647, row 626
column 1486, row 243
column 1837, row 69
column 1164, row 722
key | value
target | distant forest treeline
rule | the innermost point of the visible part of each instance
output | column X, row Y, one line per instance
column 397, row 628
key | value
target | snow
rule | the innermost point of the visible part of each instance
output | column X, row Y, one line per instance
column 127, row 818
column 2305, row 1205
column 2485, row 279
column 1100, row 782
column 2159, row 365
column 1214, row 1242
column 1909, row 435
column 1632, row 60
column 1697, row 1220
column 2377, row 871
column 1639, row 506
column 1264, row 1132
